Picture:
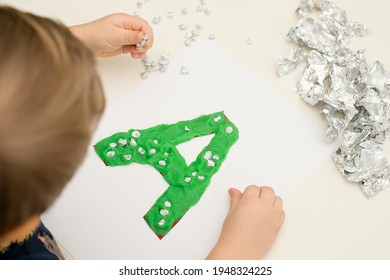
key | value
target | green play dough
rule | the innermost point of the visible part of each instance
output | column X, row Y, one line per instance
column 157, row 146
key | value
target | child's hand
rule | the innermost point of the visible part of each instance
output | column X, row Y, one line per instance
column 251, row 226
column 115, row 34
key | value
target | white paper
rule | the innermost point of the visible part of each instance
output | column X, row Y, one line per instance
column 100, row 214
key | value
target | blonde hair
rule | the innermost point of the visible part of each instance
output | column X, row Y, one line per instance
column 51, row 99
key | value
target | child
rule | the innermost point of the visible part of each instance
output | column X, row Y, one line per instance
column 51, row 99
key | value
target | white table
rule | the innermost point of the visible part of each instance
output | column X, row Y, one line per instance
column 327, row 217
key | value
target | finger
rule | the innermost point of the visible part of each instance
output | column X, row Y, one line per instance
column 235, row 196
column 282, row 217
column 137, row 24
column 132, row 22
column 149, row 42
column 267, row 194
column 125, row 23
column 278, row 203
column 128, row 37
column 252, row 191
column 132, row 49
column 127, row 48
column 145, row 29
column 138, row 55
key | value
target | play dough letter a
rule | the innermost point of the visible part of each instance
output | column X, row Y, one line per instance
column 157, row 146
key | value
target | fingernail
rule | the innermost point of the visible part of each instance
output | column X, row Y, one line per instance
column 136, row 55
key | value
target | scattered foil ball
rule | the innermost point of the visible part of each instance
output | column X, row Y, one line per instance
column 143, row 42
column 187, row 179
column 127, row 157
column 183, row 71
column 183, row 27
column 153, row 66
column 170, row 14
column 110, row 153
column 207, row 11
column 122, row 142
column 207, row 155
column 212, row 37
column 200, row 9
column 140, row 5
column 217, row 119
column 141, row 150
column 191, row 36
column 132, row 142
column 184, row 11
column 156, row 20
column 229, row 130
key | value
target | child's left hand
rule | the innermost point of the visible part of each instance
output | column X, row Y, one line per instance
column 115, row 34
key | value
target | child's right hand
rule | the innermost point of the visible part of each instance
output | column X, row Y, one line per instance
column 251, row 226
column 115, row 34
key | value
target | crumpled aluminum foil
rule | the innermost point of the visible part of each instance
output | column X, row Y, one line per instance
column 153, row 66
column 355, row 97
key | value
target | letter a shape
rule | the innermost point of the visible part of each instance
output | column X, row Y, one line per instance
column 157, row 146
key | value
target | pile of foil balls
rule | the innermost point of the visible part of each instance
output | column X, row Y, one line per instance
column 354, row 96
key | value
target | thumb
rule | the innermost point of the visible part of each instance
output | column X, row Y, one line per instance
column 235, row 196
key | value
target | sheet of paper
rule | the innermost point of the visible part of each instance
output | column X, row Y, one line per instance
column 99, row 215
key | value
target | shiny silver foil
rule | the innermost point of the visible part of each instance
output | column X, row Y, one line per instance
column 153, row 66
column 354, row 96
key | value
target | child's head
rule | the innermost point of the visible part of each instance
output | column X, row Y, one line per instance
column 50, row 101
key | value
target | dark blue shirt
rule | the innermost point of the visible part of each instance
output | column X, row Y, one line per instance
column 40, row 246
